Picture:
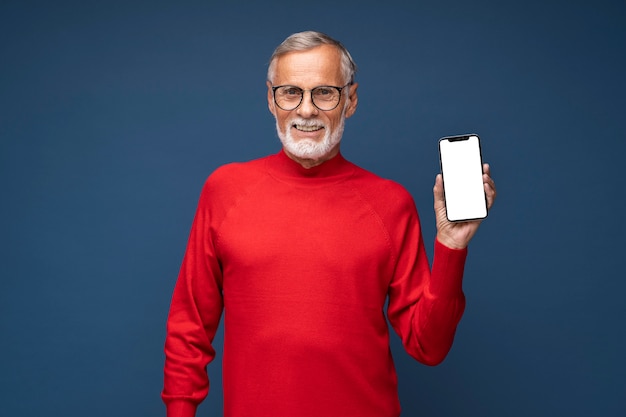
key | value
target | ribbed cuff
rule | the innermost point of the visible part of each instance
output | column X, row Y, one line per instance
column 447, row 271
column 181, row 408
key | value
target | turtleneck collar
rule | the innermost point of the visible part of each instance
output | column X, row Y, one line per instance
column 284, row 168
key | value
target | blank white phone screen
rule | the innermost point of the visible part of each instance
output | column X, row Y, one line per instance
column 462, row 171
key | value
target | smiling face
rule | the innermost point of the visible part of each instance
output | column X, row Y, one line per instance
column 309, row 135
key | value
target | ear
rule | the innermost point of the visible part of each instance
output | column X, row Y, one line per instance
column 270, row 99
column 354, row 100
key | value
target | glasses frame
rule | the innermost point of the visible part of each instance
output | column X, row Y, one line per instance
column 302, row 91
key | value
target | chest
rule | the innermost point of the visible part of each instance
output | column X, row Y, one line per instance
column 298, row 242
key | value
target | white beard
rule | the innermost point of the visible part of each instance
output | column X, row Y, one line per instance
column 307, row 148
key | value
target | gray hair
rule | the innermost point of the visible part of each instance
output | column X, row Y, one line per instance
column 303, row 41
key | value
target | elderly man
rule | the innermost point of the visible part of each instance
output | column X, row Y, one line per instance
column 301, row 250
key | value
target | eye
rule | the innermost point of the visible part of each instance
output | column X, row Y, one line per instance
column 290, row 91
column 324, row 91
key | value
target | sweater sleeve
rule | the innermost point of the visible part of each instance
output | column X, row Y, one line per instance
column 194, row 316
column 425, row 307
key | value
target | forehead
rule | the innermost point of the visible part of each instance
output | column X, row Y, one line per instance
column 318, row 66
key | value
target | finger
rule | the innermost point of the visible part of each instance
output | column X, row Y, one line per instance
column 490, row 191
column 487, row 180
column 438, row 195
column 487, row 176
column 438, row 188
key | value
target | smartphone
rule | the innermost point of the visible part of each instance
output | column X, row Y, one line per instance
column 462, row 170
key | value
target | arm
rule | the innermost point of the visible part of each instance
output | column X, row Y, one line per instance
column 426, row 306
column 194, row 316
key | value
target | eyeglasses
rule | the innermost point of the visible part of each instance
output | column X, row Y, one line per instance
column 325, row 97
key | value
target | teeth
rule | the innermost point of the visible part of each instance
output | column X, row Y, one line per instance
column 306, row 128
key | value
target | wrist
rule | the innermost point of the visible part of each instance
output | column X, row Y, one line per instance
column 450, row 242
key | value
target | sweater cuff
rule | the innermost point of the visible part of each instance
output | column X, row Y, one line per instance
column 181, row 408
column 447, row 271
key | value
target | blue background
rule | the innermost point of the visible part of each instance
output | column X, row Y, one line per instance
column 112, row 114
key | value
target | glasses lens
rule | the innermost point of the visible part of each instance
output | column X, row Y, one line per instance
column 326, row 98
column 288, row 97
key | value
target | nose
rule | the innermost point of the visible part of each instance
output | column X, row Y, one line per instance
column 306, row 108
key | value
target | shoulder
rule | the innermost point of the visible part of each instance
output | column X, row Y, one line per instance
column 379, row 190
column 236, row 174
column 232, row 180
column 237, row 171
column 391, row 202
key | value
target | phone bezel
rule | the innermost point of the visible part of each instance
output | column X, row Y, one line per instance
column 456, row 138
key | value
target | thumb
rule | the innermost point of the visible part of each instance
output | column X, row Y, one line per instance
column 438, row 193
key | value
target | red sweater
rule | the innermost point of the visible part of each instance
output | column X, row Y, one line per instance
column 301, row 261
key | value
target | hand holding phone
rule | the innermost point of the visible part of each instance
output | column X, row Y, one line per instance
column 462, row 171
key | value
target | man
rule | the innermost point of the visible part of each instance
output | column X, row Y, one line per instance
column 301, row 250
